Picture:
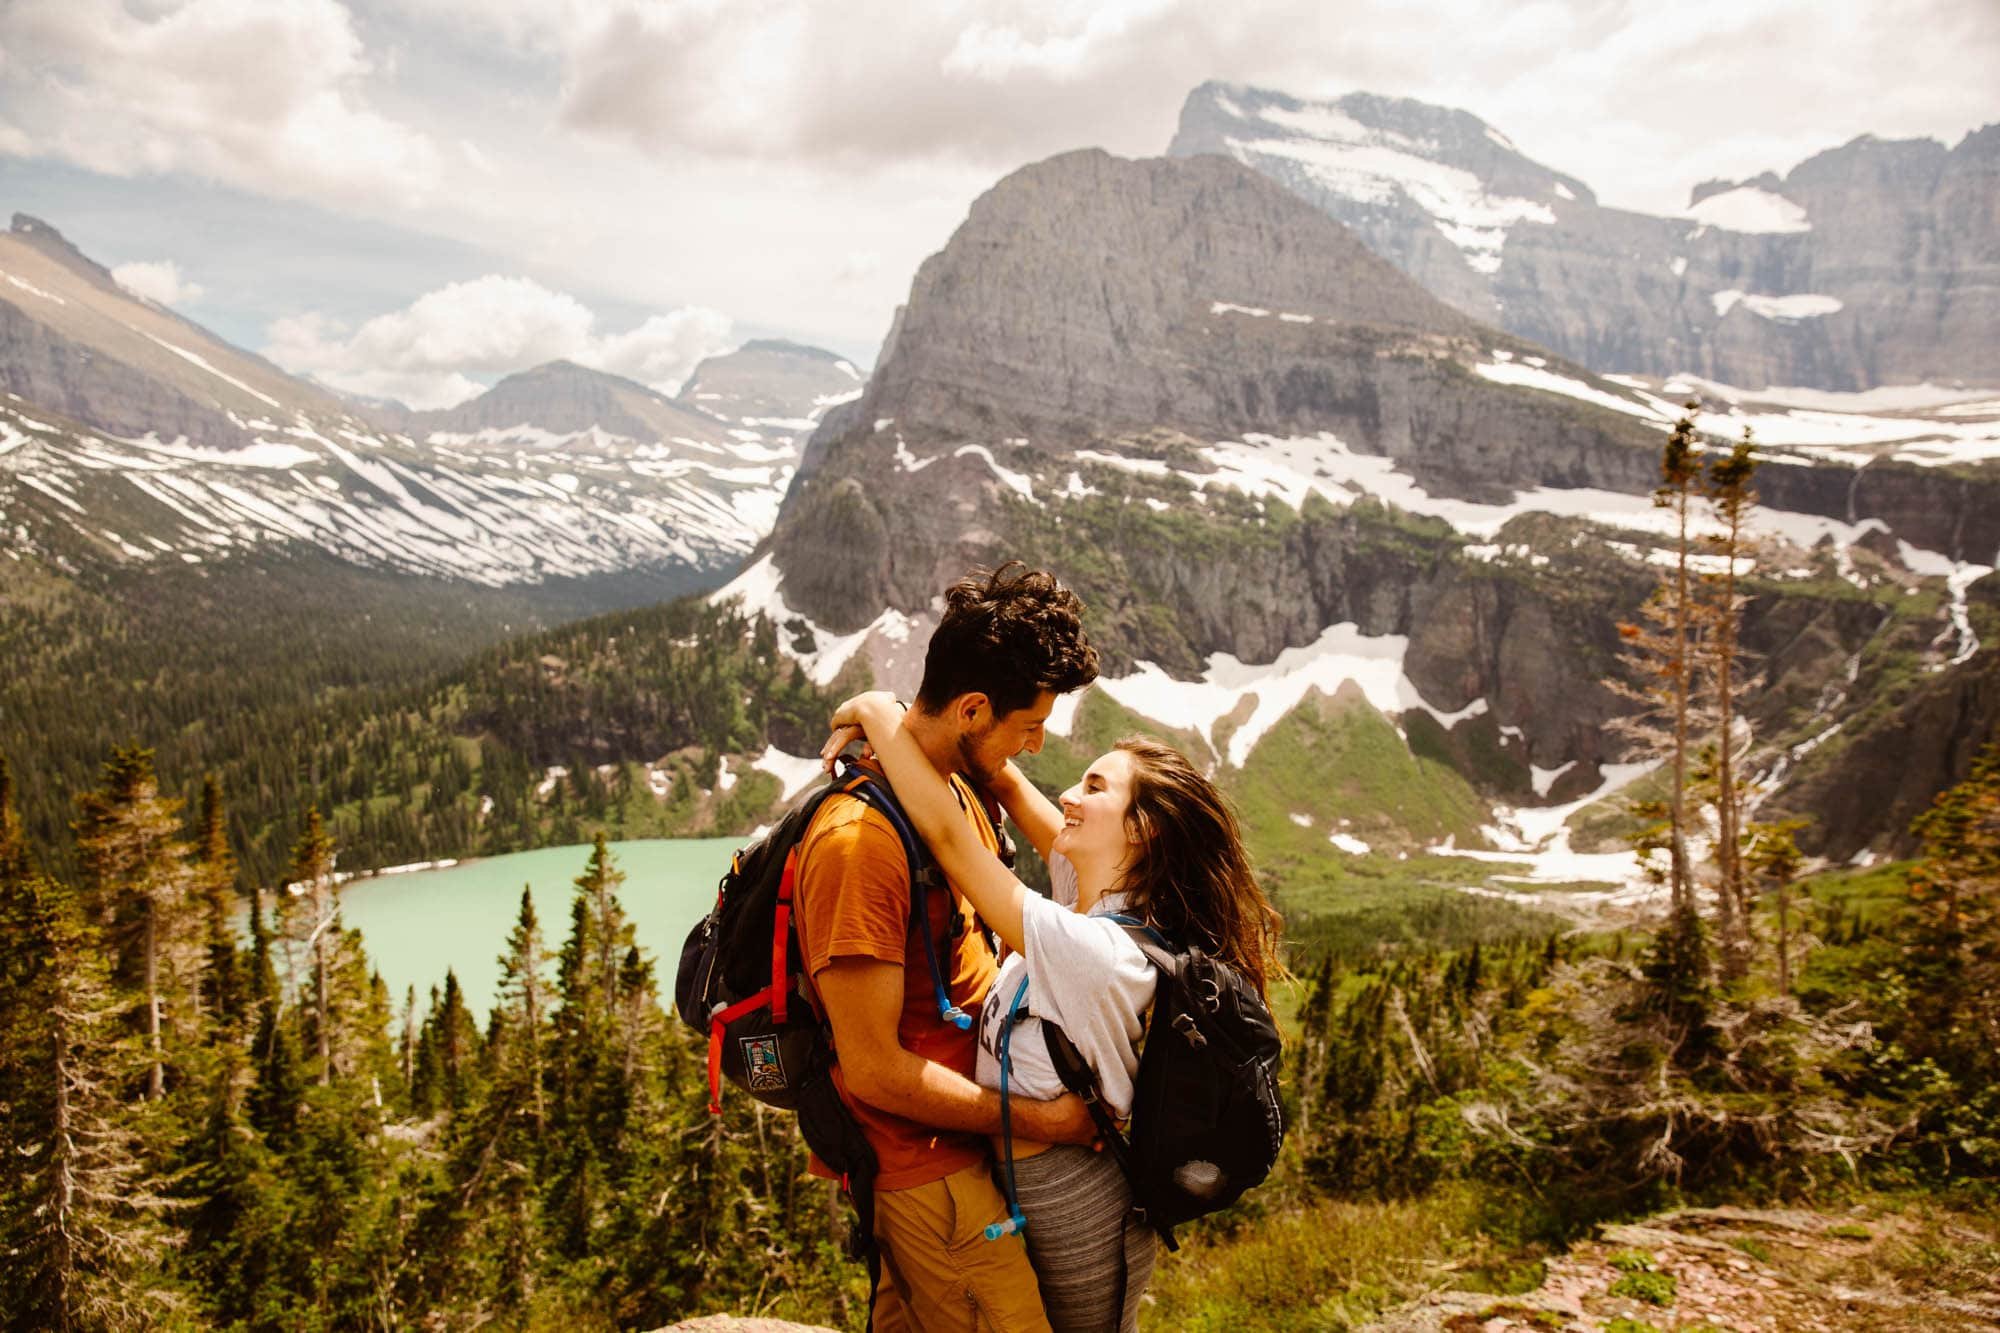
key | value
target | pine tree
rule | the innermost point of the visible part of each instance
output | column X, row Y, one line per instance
column 13, row 838
column 589, row 1094
column 1727, row 489
column 80, row 1221
column 1954, row 957
column 1657, row 659
column 139, row 878
column 1773, row 858
column 521, row 1014
column 609, row 930
column 310, row 911
column 223, row 986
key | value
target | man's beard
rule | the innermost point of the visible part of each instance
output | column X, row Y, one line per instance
column 982, row 772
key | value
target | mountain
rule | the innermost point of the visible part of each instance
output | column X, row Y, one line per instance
column 1870, row 264
column 130, row 436
column 1275, row 466
column 771, row 382
column 210, row 557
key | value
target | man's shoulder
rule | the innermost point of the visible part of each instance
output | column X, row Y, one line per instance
column 847, row 826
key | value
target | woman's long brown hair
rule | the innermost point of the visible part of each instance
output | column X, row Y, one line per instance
column 1190, row 877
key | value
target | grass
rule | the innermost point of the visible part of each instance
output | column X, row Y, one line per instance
column 1344, row 767
column 1956, row 1256
column 1753, row 1247
column 1652, row 1288
column 1326, row 1265
column 1100, row 722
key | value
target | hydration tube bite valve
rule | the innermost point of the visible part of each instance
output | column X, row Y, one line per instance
column 1013, row 1226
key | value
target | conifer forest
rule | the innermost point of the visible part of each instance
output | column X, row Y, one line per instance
column 215, row 1114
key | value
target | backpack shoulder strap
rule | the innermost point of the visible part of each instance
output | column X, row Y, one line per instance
column 925, row 876
column 1150, row 941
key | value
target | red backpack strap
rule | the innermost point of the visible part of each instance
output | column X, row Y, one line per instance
column 781, row 929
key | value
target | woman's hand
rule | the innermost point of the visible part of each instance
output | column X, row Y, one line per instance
column 865, row 717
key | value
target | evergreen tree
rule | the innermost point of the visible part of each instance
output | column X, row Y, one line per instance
column 139, row 879
column 223, row 988
column 610, row 933
column 1954, row 957
column 1727, row 489
column 80, row 1221
column 310, row 911
column 458, row 1046
column 521, row 1014
column 1772, row 858
column 13, row 838
column 1657, row 656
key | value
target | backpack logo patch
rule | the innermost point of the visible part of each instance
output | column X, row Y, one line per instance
column 762, row 1070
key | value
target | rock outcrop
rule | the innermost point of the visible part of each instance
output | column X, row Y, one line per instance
column 1101, row 339
column 1874, row 263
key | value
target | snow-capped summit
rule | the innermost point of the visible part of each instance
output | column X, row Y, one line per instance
column 1432, row 189
column 1863, row 266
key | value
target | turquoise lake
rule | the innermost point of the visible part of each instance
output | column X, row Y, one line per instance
column 418, row 924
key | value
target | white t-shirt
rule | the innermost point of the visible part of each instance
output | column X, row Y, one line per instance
column 1084, row 974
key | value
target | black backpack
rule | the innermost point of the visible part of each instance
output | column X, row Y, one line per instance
column 742, row 986
column 1206, row 1120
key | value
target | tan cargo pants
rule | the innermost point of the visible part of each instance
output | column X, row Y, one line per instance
column 939, row 1272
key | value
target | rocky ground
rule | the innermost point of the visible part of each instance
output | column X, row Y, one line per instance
column 1742, row 1270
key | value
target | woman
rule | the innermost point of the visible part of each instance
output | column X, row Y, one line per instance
column 1143, row 834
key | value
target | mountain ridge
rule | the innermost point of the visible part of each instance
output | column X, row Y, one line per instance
column 1872, row 262
column 132, row 436
column 1250, row 496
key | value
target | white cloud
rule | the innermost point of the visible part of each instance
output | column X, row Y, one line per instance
column 428, row 353
column 792, row 161
column 266, row 95
column 159, row 281
column 662, row 351
column 1002, row 82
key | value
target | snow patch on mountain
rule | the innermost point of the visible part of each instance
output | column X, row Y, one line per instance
column 758, row 589
column 1340, row 655
column 1376, row 166
column 1536, row 839
column 202, row 363
column 794, row 774
column 1800, row 305
column 1527, row 376
column 1750, row 209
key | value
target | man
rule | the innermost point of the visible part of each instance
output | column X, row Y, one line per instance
column 1009, row 643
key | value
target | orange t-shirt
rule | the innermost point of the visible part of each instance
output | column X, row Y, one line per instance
column 853, row 896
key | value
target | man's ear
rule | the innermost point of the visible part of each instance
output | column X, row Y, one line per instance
column 971, row 709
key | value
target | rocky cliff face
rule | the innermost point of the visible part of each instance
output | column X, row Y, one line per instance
column 1233, row 428
column 1875, row 263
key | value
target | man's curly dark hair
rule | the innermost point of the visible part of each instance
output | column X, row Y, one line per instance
column 1008, row 634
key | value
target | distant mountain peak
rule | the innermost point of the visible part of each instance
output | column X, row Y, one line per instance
column 1215, row 114
column 58, row 247
column 1831, row 248
column 785, row 347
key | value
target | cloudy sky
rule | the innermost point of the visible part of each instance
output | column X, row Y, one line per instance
column 411, row 197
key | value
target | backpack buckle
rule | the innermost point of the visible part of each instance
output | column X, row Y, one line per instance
column 1185, row 1025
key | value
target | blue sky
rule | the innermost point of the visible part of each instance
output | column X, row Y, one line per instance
column 412, row 198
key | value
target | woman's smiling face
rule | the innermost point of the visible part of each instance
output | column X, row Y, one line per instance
column 1095, row 832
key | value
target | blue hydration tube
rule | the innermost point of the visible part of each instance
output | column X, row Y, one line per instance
column 1015, row 1223
column 920, row 908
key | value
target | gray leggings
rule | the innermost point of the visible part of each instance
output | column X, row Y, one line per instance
column 1084, row 1247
